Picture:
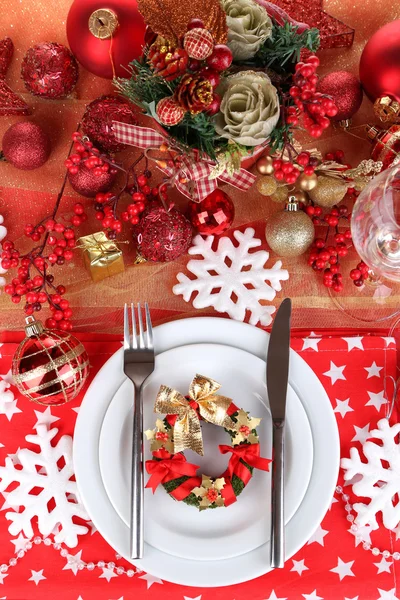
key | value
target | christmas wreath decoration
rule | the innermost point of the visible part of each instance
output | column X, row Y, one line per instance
column 181, row 430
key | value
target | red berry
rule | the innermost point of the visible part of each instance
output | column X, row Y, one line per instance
column 68, row 254
column 58, row 315
column 277, row 164
column 59, row 227
column 42, row 297
column 78, row 209
column 50, row 224
column 76, row 221
column 196, row 23
column 53, row 258
column 324, row 255
column 279, row 175
column 138, row 197
column 310, row 210
column 287, row 167
column 221, row 58
column 142, row 180
column 50, row 323
column 303, row 159
column 135, row 220
column 67, row 313
column 319, row 243
column 16, row 299
column 308, row 170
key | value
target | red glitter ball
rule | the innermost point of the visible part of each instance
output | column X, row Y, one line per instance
column 98, row 120
column 49, row 70
column 10, row 103
column 346, row 92
column 86, row 183
column 26, row 146
column 213, row 215
column 6, row 53
column 162, row 235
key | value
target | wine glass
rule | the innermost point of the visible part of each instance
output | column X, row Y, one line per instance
column 375, row 229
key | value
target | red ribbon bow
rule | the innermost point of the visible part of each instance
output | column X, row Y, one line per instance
column 249, row 453
column 171, row 467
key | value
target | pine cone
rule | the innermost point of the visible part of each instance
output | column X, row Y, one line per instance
column 167, row 60
column 194, row 93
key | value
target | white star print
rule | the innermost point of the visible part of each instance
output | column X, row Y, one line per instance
column 373, row 370
column 318, row 536
column 9, row 409
column 107, row 574
column 273, row 596
column 92, row 527
column 355, row 598
column 311, row 342
column 299, row 566
column 19, row 543
column 376, row 400
column 37, row 576
column 363, row 534
column 362, row 434
column 343, row 569
column 2, row 578
column 312, row 596
column 150, row 579
column 388, row 340
column 335, row 373
column 6, row 503
column 73, row 562
column 122, row 598
column 387, row 594
column 353, row 342
column 383, row 566
column 1, row 445
column 187, row 598
column 44, row 417
column 7, row 377
column 76, row 409
column 342, row 407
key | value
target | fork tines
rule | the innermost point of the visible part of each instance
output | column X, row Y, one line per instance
column 137, row 341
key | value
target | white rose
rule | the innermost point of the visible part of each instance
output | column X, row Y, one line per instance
column 248, row 27
column 249, row 109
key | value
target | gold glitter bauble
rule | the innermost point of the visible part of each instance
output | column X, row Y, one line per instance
column 328, row 192
column 289, row 232
column 281, row 194
column 301, row 197
column 264, row 165
column 266, row 185
column 307, row 182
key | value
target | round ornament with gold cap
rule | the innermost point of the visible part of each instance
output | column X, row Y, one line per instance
column 264, row 165
column 290, row 232
column 49, row 367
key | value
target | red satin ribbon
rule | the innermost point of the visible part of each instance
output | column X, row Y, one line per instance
column 169, row 468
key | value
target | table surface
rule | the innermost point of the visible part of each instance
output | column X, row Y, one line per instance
column 25, row 195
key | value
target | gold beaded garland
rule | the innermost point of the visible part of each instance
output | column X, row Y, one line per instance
column 307, row 182
column 264, row 165
column 267, row 185
column 329, row 191
column 290, row 232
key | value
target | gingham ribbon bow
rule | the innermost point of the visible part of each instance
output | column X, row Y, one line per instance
column 197, row 173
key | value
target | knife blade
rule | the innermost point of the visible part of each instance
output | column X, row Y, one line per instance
column 277, row 381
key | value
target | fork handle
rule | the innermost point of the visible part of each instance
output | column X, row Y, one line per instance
column 277, row 513
column 137, row 534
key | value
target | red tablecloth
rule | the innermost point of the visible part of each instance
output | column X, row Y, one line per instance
column 330, row 567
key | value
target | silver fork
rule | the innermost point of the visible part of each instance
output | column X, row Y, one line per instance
column 138, row 365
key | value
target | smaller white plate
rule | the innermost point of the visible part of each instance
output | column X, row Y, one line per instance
column 181, row 530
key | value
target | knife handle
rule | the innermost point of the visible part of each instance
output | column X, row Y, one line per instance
column 277, row 496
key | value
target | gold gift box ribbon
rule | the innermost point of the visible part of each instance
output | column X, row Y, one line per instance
column 102, row 256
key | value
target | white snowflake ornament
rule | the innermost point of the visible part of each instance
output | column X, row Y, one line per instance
column 50, row 470
column 378, row 478
column 3, row 233
column 231, row 278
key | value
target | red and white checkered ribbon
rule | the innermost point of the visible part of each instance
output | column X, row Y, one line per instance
column 196, row 172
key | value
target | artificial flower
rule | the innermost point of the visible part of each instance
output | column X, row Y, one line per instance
column 248, row 27
column 210, row 492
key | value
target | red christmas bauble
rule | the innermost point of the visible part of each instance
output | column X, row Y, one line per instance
column 213, row 215
column 91, row 27
column 97, row 122
column 49, row 367
column 49, row 70
column 221, row 58
column 169, row 112
column 86, row 183
column 162, row 235
column 198, row 43
column 26, row 146
column 380, row 63
column 346, row 92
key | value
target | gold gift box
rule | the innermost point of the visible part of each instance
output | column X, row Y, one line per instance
column 102, row 256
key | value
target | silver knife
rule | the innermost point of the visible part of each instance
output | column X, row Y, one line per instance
column 277, row 380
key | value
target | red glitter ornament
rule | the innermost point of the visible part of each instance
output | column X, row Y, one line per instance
column 10, row 103
column 98, row 120
column 346, row 92
column 49, row 367
column 88, row 183
column 213, row 215
column 49, row 70
column 26, row 146
column 162, row 235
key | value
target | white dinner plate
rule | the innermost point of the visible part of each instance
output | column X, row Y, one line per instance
column 178, row 529
column 252, row 564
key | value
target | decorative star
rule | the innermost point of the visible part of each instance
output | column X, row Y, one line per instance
column 150, row 579
column 19, row 543
column 342, row 407
column 355, row 598
column 362, row 434
column 107, row 574
column 76, row 409
column 7, row 377
column 299, row 566
column 363, row 534
column 44, row 417
column 187, row 598
column 37, row 576
column 80, row 598
column 343, row 569
column 353, row 342
column 387, row 594
column 6, row 503
column 389, row 340
column 273, row 596
column 318, row 536
column 311, row 342
column 383, row 566
column 1, row 445
column 376, row 400
column 335, row 373
column 9, row 408
column 312, row 596
column 373, row 370
column 2, row 577
column 73, row 562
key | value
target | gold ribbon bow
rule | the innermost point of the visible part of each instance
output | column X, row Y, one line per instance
column 212, row 407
